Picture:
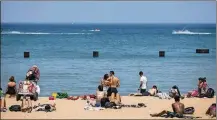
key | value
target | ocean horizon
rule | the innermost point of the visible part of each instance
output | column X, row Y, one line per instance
column 63, row 53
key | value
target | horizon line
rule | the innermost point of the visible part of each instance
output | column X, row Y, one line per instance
column 72, row 23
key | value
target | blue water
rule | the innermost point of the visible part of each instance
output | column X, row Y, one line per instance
column 63, row 53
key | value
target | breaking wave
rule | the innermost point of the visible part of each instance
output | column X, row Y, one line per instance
column 187, row 32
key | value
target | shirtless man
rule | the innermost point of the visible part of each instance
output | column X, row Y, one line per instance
column 178, row 109
column 114, row 83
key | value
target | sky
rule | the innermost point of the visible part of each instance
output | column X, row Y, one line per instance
column 108, row 12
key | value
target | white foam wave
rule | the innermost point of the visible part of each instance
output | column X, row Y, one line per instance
column 189, row 32
column 96, row 30
column 40, row 33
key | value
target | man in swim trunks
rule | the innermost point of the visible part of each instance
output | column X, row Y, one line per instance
column 178, row 109
column 114, row 83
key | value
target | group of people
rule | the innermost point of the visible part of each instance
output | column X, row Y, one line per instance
column 33, row 74
column 109, row 84
column 108, row 88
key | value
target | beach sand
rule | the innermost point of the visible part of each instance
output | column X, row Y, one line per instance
column 68, row 109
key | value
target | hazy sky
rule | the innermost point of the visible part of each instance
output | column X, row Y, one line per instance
column 108, row 12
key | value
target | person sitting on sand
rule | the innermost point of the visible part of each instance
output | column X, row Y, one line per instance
column 11, row 88
column 103, row 82
column 178, row 109
column 153, row 91
column 174, row 92
column 100, row 93
column 45, row 107
column 202, row 86
column 143, row 83
column 201, row 89
column 113, row 83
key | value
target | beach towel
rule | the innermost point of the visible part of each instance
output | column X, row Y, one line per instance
column 194, row 93
column 93, row 108
column 135, row 94
column 139, row 105
column 163, row 96
column 38, row 89
column 90, row 107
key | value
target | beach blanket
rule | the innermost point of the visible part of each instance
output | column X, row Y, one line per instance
column 62, row 95
column 90, row 107
column 171, row 115
column 163, row 96
column 135, row 94
column 139, row 105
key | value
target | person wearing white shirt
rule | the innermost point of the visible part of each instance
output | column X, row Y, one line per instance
column 143, row 83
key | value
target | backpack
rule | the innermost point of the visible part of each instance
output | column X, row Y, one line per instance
column 189, row 110
column 103, row 101
column 110, row 104
column 15, row 108
column 210, row 93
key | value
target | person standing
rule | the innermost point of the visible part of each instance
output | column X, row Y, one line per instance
column 114, row 83
column 143, row 83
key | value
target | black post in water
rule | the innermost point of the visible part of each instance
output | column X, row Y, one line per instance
column 95, row 54
column 161, row 53
column 202, row 50
column 26, row 55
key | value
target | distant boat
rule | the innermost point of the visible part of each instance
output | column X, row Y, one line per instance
column 97, row 30
column 183, row 31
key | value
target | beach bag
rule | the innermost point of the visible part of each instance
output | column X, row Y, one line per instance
column 110, row 104
column 62, row 95
column 213, row 110
column 15, row 108
column 189, row 110
column 210, row 93
column 104, row 101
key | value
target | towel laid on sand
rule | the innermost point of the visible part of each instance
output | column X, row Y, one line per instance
column 163, row 96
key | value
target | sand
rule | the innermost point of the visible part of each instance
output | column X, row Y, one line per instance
column 68, row 109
